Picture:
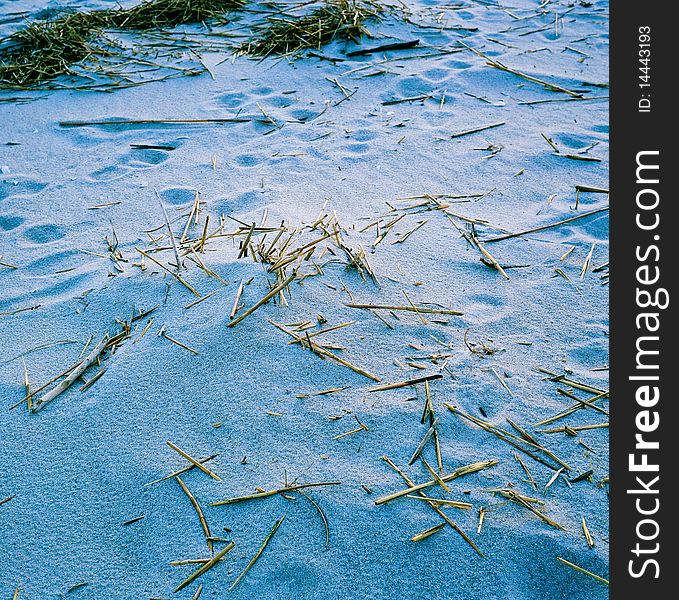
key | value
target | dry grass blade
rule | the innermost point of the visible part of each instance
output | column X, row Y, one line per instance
column 199, row 511
column 275, row 290
column 434, row 506
column 466, row 470
column 206, row 567
column 574, row 566
column 193, row 461
column 400, row 384
column 317, row 349
column 511, row 439
column 416, row 309
column 418, row 537
column 175, row 275
column 588, row 535
column 73, row 375
column 261, row 549
column 283, row 490
column 549, row 226
column 184, row 470
column 521, row 501
column 498, row 65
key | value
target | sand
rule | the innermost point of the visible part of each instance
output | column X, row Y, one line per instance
column 77, row 468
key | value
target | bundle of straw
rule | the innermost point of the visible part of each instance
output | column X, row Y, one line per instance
column 46, row 49
column 341, row 19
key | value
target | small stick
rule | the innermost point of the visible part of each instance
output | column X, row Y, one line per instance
column 438, row 511
column 193, row 461
column 393, row 386
column 199, row 511
column 418, row 537
column 543, row 227
column 177, row 342
column 280, row 287
column 316, row 348
column 419, row 309
column 488, row 256
column 206, row 567
column 573, row 566
column 261, row 549
column 361, row 427
column 498, row 65
column 476, row 129
column 531, row 480
column 283, row 490
column 434, row 474
column 190, row 561
column 471, row 468
column 519, row 499
column 326, row 330
column 192, row 304
column 73, row 375
column 232, row 314
column 422, row 444
column 441, row 501
column 384, row 48
column 175, row 275
column 184, row 470
column 576, row 428
column 169, row 231
column 588, row 535
column 151, row 122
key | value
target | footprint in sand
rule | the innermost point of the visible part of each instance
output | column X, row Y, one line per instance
column 107, row 174
column 43, row 234
column 262, row 91
column 232, row 99
column 363, row 135
column 245, row 202
column 144, row 159
column 53, row 263
column 17, row 187
column 9, row 222
column 248, row 160
column 358, row 148
column 178, row 196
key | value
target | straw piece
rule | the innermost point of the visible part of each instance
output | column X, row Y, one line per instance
column 199, row 511
column 418, row 537
column 206, row 567
column 280, row 287
column 193, row 461
column 433, row 505
column 261, row 549
column 400, row 384
column 175, row 275
column 73, row 375
column 574, row 566
column 184, row 470
column 317, row 349
column 283, row 490
column 543, row 227
column 466, row 470
column 418, row 309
